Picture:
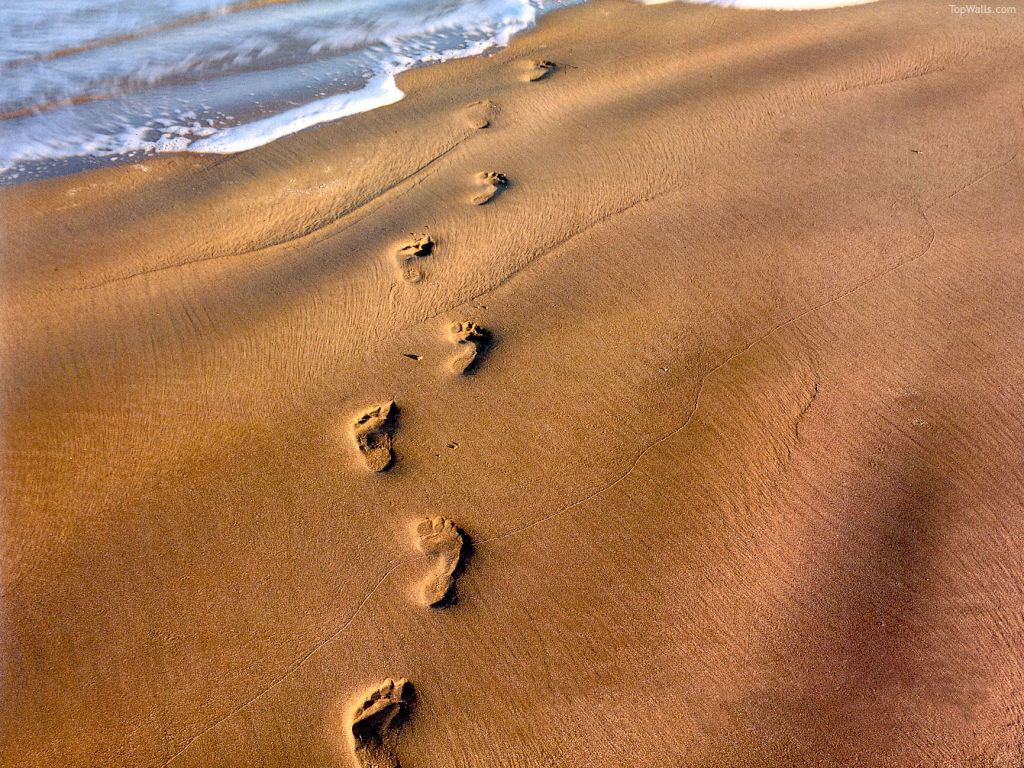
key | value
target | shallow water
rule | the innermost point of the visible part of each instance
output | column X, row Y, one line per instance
column 87, row 79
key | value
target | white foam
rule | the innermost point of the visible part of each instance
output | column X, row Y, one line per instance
column 769, row 5
column 129, row 140
column 379, row 92
column 510, row 17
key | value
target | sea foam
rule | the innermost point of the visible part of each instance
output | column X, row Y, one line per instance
column 378, row 92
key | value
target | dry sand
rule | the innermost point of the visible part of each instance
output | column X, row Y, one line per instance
column 733, row 477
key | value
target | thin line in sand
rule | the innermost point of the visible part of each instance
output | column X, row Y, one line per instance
column 410, row 181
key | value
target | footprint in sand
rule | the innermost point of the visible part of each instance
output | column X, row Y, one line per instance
column 372, row 433
column 472, row 341
column 480, row 113
column 491, row 183
column 409, row 254
column 439, row 539
column 538, row 69
column 375, row 724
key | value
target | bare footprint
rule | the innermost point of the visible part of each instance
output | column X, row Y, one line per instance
column 372, row 433
column 471, row 340
column 491, row 183
column 538, row 69
column 480, row 113
column 441, row 540
column 408, row 256
column 375, row 724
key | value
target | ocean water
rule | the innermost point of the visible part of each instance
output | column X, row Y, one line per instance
column 83, row 81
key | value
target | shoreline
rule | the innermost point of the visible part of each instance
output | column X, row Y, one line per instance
column 254, row 124
column 243, row 136
column 705, row 339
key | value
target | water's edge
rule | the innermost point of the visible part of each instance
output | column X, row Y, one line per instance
column 24, row 157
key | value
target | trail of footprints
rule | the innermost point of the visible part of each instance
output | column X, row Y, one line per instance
column 375, row 721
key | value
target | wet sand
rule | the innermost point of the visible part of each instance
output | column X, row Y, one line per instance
column 696, row 443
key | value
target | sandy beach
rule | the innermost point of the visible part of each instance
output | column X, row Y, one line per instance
column 647, row 393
